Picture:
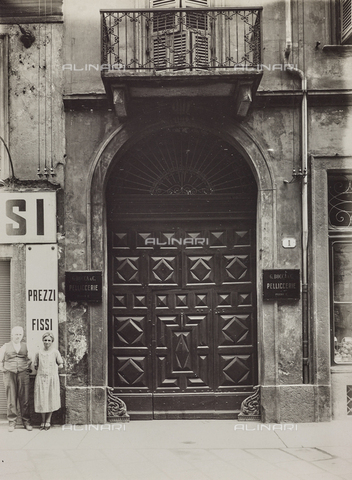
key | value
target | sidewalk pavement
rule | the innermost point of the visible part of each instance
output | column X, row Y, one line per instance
column 179, row 450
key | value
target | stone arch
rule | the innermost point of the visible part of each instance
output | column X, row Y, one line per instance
column 252, row 149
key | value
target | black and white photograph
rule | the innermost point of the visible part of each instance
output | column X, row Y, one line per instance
column 176, row 239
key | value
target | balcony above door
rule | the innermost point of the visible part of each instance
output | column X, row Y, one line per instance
column 168, row 54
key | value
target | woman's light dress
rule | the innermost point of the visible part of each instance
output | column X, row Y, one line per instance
column 47, row 383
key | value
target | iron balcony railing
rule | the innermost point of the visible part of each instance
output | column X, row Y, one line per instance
column 181, row 39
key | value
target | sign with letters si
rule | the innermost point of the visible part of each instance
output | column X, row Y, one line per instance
column 27, row 217
column 83, row 286
column 281, row 284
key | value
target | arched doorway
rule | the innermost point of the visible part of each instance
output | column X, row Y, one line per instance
column 181, row 222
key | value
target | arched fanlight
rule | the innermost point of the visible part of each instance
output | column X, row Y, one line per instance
column 181, row 161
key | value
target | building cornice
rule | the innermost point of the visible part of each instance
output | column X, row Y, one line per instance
column 263, row 98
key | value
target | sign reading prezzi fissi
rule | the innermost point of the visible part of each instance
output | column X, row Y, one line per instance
column 41, row 294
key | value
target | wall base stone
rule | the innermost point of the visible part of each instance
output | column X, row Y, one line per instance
column 85, row 405
column 77, row 405
column 295, row 403
column 98, row 405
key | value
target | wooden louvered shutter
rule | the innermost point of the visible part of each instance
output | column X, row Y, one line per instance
column 346, row 20
column 30, row 8
column 199, row 33
column 179, row 50
column 165, row 3
column 195, row 3
column 5, row 320
column 179, row 47
column 169, row 42
column 170, row 51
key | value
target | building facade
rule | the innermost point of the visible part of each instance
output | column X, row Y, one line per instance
column 190, row 228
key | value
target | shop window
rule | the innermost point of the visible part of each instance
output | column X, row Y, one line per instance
column 341, row 253
column 340, row 233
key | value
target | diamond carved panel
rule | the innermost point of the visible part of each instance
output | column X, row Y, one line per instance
column 236, row 268
column 129, row 331
column 234, row 329
column 131, row 371
column 235, row 370
column 163, row 270
column 200, row 270
column 182, row 350
column 126, row 270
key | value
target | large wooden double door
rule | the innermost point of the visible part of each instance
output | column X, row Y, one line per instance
column 182, row 316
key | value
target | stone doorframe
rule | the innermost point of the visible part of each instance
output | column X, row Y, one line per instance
column 252, row 149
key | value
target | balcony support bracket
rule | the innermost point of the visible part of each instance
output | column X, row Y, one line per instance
column 120, row 100
column 243, row 100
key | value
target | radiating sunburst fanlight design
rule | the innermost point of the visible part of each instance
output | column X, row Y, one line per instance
column 181, row 161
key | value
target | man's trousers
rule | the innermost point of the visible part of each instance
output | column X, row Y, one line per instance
column 17, row 389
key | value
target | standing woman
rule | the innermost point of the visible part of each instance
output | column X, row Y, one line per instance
column 47, row 384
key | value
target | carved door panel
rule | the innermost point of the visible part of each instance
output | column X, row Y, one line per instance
column 182, row 327
column 183, row 353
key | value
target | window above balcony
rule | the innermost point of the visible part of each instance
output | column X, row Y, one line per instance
column 346, row 21
column 181, row 52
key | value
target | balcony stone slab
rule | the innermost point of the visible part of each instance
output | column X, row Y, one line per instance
column 238, row 86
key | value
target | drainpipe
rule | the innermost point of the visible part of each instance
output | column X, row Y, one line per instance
column 303, row 174
column 288, row 28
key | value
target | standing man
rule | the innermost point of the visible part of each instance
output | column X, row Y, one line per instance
column 15, row 364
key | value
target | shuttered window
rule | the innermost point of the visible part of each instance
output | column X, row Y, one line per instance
column 195, row 3
column 180, row 40
column 5, row 320
column 165, row 4
column 27, row 9
column 179, row 3
column 346, row 21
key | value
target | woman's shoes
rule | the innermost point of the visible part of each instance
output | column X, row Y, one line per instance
column 47, row 426
column 42, row 426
